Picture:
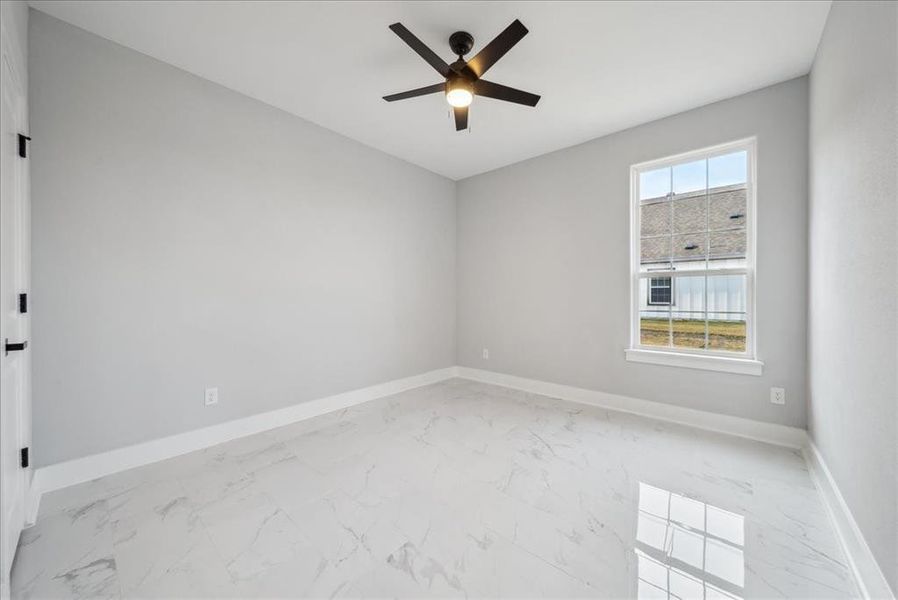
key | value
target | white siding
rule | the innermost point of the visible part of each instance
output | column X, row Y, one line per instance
column 726, row 299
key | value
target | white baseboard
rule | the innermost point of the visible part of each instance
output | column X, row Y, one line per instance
column 32, row 502
column 64, row 474
column 772, row 433
column 79, row 470
column 867, row 574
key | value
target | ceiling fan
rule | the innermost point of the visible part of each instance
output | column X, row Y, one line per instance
column 463, row 79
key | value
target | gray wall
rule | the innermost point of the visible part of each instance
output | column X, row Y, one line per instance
column 853, row 347
column 186, row 236
column 543, row 260
column 14, row 15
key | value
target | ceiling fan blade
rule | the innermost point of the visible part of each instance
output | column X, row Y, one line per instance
column 461, row 118
column 423, row 51
column 430, row 89
column 482, row 87
column 496, row 49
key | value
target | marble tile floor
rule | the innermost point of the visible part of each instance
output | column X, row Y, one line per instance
column 458, row 489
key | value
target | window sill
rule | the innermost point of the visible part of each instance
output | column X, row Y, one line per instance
column 724, row 364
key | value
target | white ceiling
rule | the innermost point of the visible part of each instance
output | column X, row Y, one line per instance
column 600, row 66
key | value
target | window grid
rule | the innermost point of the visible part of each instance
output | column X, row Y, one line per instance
column 745, row 216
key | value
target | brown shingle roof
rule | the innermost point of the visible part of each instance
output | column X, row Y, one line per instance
column 682, row 226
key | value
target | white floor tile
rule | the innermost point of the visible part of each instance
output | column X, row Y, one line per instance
column 458, row 489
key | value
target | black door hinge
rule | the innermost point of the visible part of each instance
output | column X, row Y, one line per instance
column 24, row 453
column 23, row 145
column 23, row 303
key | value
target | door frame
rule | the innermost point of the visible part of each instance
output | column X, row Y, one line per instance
column 9, row 63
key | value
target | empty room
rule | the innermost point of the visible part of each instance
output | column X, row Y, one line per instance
column 449, row 299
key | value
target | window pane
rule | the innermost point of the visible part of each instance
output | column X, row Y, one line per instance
column 688, row 312
column 654, row 329
column 654, row 184
column 654, row 218
column 728, row 208
column 727, row 245
column 727, row 302
column 690, row 177
column 654, row 320
column 690, row 214
column 690, row 247
column 728, row 169
column 728, row 335
column 655, row 253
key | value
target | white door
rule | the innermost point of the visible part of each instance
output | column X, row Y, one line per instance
column 13, row 324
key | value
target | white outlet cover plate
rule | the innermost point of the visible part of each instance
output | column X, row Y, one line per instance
column 211, row 396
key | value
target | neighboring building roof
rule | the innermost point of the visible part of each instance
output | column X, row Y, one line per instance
column 682, row 226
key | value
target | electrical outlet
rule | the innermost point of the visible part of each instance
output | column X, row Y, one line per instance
column 211, row 396
column 486, row 354
column 777, row 396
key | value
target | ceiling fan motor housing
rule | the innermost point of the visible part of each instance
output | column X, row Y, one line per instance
column 461, row 42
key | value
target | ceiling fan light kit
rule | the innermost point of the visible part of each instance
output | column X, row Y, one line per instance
column 459, row 92
column 463, row 79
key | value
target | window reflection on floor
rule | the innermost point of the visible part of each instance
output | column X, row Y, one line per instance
column 686, row 548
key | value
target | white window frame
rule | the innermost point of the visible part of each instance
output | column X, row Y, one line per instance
column 745, row 363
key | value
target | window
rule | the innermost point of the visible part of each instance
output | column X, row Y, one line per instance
column 660, row 291
column 693, row 259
